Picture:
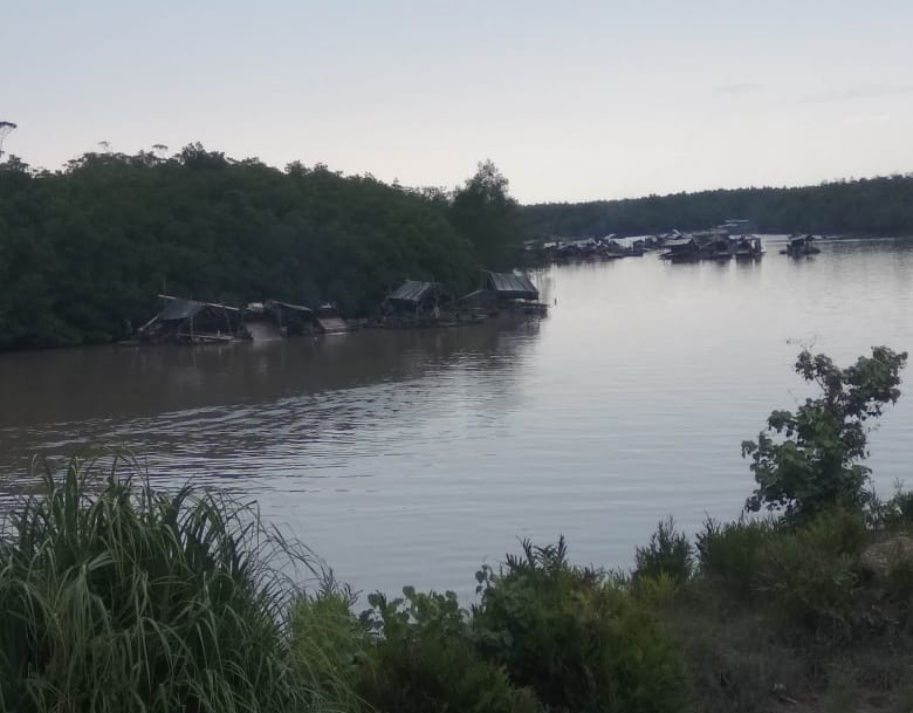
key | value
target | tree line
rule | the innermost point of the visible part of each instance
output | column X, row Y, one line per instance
column 876, row 206
column 85, row 250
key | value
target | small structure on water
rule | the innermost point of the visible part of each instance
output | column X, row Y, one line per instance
column 684, row 249
column 608, row 247
column 415, row 298
column 505, row 292
column 748, row 248
column 185, row 321
column 800, row 246
column 271, row 320
column 328, row 321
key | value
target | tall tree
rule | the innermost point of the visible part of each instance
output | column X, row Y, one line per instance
column 489, row 217
column 811, row 459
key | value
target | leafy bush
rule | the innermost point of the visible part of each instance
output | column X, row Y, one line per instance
column 817, row 463
column 811, row 573
column 668, row 552
column 118, row 598
column 329, row 645
column 424, row 662
column 893, row 513
column 730, row 553
column 656, row 593
column 582, row 643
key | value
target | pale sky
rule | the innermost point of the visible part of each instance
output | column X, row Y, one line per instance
column 573, row 100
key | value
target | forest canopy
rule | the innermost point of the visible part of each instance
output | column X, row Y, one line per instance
column 85, row 251
column 876, row 206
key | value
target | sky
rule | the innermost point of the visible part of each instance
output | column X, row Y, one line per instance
column 574, row 100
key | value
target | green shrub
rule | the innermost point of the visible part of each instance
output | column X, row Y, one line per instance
column 118, row 598
column 896, row 512
column 656, row 593
column 423, row 661
column 329, row 645
column 811, row 574
column 581, row 643
column 730, row 553
column 811, row 460
column 669, row 552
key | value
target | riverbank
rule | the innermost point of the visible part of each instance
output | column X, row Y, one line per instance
column 116, row 594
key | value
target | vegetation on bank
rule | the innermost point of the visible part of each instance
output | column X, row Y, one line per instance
column 875, row 206
column 117, row 597
column 85, row 251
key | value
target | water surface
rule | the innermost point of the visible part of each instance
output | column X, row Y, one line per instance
column 412, row 457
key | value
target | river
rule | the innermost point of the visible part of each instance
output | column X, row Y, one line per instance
column 413, row 457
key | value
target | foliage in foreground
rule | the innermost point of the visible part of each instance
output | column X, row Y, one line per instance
column 817, row 463
column 580, row 640
column 115, row 597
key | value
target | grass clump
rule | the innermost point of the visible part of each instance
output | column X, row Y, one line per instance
column 669, row 553
column 423, row 661
column 811, row 574
column 580, row 641
column 116, row 597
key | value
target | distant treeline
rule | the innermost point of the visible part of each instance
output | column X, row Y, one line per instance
column 84, row 251
column 876, row 206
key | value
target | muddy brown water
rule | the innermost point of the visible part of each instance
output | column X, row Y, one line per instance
column 412, row 457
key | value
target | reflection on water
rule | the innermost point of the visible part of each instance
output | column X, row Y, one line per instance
column 410, row 457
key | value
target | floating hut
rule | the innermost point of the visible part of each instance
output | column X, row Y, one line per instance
column 505, row 292
column 509, row 287
column 684, row 249
column 415, row 298
column 415, row 304
column 328, row 321
column 273, row 319
column 800, row 246
column 748, row 248
column 187, row 321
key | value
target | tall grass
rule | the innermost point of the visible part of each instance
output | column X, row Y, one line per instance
column 114, row 597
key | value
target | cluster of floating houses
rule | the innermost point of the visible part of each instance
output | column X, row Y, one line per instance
column 725, row 242
column 414, row 304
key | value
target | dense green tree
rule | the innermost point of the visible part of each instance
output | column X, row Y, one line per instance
column 816, row 463
column 876, row 206
column 485, row 213
column 84, row 251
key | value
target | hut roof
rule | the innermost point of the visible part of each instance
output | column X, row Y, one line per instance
column 413, row 291
column 178, row 309
column 289, row 306
column 680, row 242
column 512, row 286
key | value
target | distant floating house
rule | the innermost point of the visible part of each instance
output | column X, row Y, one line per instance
column 503, row 291
column 328, row 321
column 293, row 320
column 748, row 248
column 415, row 298
column 191, row 322
column 270, row 320
column 508, row 287
column 685, row 249
column 801, row 246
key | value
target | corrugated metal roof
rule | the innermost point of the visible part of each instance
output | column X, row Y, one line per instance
column 515, row 286
column 412, row 291
column 289, row 306
column 178, row 308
